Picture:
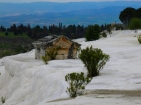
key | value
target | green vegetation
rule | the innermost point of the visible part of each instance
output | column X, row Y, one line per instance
column 139, row 39
column 128, row 13
column 109, row 29
column 52, row 52
column 94, row 60
column 93, row 32
column 11, row 44
column 4, row 53
column 135, row 24
column 77, row 83
column 104, row 34
column 3, row 99
column 45, row 59
column 11, row 35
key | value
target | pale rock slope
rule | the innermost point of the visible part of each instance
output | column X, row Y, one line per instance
column 28, row 81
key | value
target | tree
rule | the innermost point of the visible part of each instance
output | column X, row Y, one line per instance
column 2, row 28
column 138, row 13
column 126, row 15
column 28, row 30
column 109, row 29
column 92, row 32
column 135, row 24
column 45, row 31
column 20, row 29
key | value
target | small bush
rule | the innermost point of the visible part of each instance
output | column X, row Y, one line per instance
column 139, row 39
column 20, row 49
column 104, row 34
column 6, row 53
column 77, row 83
column 52, row 52
column 92, row 32
column 134, row 24
column 3, row 99
column 6, row 33
column 45, row 59
column 94, row 60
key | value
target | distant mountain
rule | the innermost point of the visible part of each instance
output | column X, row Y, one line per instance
column 47, row 13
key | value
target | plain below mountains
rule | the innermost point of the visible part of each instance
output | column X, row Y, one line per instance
column 48, row 13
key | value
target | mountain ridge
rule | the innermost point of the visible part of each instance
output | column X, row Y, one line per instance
column 48, row 13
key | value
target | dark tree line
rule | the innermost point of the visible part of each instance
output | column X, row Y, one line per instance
column 71, row 31
column 128, row 13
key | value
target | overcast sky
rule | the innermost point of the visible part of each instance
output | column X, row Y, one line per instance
column 22, row 1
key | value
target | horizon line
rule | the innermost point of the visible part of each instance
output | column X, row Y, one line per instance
column 70, row 1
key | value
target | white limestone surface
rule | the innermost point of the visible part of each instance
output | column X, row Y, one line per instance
column 28, row 81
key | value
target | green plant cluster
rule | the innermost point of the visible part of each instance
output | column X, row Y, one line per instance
column 52, row 52
column 77, row 83
column 93, row 32
column 3, row 99
column 94, row 60
column 128, row 13
column 11, row 44
column 104, row 34
column 20, row 49
column 45, row 59
column 135, row 24
column 139, row 39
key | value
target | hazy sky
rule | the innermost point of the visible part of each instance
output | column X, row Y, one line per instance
column 22, row 1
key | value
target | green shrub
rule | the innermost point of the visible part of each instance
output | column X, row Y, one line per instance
column 135, row 24
column 77, row 83
column 6, row 33
column 45, row 59
column 52, row 52
column 139, row 39
column 6, row 53
column 92, row 32
column 109, row 29
column 3, row 99
column 104, row 34
column 20, row 49
column 94, row 60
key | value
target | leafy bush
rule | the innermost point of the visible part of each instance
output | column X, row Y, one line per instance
column 139, row 39
column 109, row 29
column 3, row 99
column 52, row 52
column 77, row 83
column 6, row 33
column 119, row 27
column 92, row 32
column 6, row 53
column 135, row 24
column 104, row 34
column 94, row 60
column 20, row 49
column 45, row 59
